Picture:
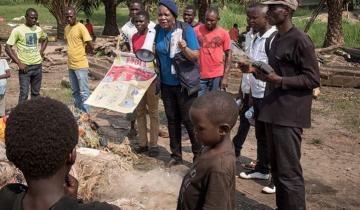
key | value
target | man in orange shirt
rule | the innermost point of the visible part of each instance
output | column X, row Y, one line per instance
column 234, row 33
column 214, row 43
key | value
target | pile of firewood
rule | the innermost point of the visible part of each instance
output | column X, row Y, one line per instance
column 108, row 45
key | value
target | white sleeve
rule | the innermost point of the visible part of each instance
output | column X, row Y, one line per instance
column 151, row 25
column 4, row 65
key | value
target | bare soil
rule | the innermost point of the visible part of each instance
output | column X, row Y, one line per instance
column 330, row 150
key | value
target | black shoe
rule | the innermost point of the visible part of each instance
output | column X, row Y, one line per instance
column 173, row 162
column 141, row 149
column 153, row 151
column 270, row 189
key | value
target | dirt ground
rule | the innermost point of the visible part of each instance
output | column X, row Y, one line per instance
column 330, row 151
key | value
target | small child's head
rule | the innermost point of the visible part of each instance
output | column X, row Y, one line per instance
column 40, row 138
column 141, row 21
column 213, row 115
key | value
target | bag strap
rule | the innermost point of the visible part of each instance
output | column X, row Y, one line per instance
column 269, row 41
column 183, row 27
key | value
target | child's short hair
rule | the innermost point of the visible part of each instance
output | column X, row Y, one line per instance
column 221, row 107
column 143, row 13
column 40, row 134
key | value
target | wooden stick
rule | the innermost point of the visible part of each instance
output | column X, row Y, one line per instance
column 314, row 15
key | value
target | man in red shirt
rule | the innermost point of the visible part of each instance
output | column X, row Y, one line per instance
column 234, row 33
column 214, row 43
column 90, row 28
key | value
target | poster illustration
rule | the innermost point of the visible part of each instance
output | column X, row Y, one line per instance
column 124, row 84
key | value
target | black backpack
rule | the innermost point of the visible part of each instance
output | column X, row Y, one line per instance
column 269, row 41
column 186, row 70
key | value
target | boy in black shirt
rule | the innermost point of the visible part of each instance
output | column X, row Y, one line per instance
column 210, row 182
column 40, row 138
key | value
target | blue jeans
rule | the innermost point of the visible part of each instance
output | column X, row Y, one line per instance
column 80, row 88
column 31, row 79
column 210, row 84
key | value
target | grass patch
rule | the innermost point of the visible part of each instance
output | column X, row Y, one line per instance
column 344, row 104
column 61, row 94
column 300, row 12
column 316, row 141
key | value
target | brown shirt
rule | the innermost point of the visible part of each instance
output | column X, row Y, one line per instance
column 209, row 184
column 293, row 57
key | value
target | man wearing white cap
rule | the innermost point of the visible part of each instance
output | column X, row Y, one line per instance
column 291, row 75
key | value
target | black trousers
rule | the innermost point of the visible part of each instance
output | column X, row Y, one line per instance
column 32, row 78
column 285, row 152
column 177, row 104
column 243, row 129
column 262, row 164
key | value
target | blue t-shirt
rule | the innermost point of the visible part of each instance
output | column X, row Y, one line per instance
column 163, row 51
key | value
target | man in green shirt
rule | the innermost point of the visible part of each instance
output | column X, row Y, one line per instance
column 28, row 56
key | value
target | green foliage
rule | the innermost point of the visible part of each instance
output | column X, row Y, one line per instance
column 45, row 18
column 14, row 2
column 236, row 14
column 11, row 11
column 89, row 6
column 300, row 12
column 351, row 34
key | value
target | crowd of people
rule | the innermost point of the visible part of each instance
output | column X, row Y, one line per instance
column 276, row 89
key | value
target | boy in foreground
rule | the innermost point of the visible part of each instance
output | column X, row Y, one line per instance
column 210, row 182
column 42, row 146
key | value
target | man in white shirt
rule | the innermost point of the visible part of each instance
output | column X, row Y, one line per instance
column 257, row 52
column 244, row 95
column 129, row 29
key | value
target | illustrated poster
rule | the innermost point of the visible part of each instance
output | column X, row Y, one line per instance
column 124, row 84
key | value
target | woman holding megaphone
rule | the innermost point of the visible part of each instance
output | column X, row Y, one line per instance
column 176, row 49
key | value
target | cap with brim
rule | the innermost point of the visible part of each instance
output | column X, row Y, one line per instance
column 293, row 4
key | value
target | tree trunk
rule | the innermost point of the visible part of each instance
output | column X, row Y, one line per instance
column 203, row 5
column 57, row 9
column 60, row 30
column 60, row 23
column 111, row 27
column 334, row 34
